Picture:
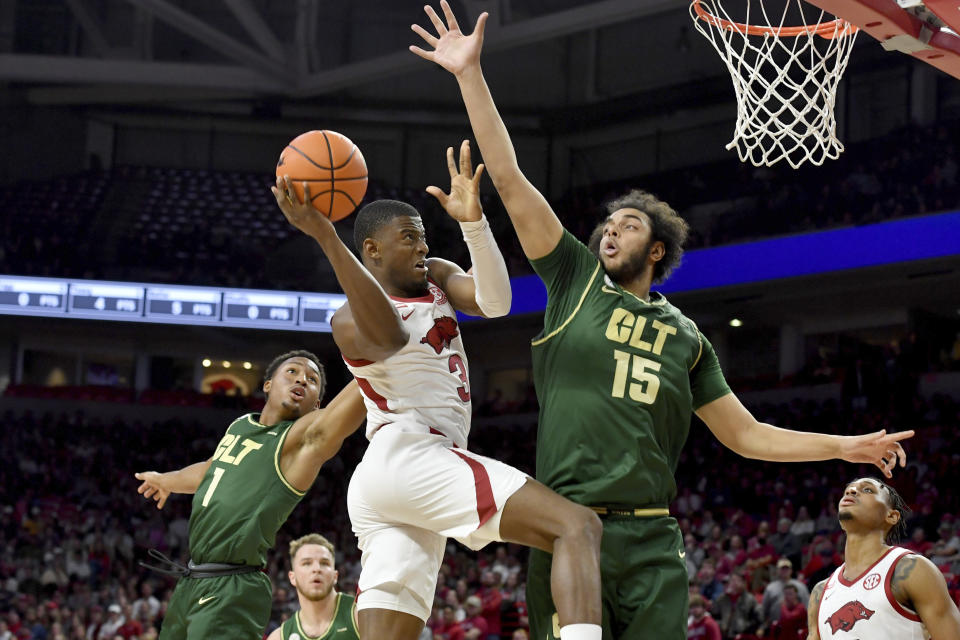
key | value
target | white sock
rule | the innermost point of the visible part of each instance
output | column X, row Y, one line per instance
column 581, row 632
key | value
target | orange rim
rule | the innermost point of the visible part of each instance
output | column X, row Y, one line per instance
column 837, row 27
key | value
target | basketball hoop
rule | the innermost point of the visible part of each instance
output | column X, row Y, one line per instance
column 785, row 79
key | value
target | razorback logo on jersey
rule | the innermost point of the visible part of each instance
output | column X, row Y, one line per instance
column 844, row 618
column 439, row 297
column 443, row 331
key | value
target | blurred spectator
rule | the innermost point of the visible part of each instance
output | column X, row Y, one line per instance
column 791, row 622
column 785, row 543
column 112, row 625
column 475, row 625
column 804, row 526
column 945, row 550
column 773, row 595
column 449, row 628
column 701, row 626
column 918, row 542
column 707, row 584
column 737, row 611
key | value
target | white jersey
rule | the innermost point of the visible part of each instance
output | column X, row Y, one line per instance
column 426, row 382
column 865, row 608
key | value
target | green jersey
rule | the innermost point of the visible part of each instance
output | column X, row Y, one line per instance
column 342, row 627
column 617, row 378
column 243, row 498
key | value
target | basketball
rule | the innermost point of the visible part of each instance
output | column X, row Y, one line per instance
column 333, row 167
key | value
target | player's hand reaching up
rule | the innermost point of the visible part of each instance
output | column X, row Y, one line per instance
column 878, row 448
column 452, row 50
column 463, row 201
column 153, row 486
column 303, row 216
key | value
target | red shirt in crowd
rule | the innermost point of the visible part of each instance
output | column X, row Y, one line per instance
column 792, row 623
column 476, row 622
column 452, row 631
column 706, row 628
column 491, row 598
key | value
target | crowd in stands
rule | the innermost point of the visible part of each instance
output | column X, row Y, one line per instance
column 758, row 535
column 223, row 228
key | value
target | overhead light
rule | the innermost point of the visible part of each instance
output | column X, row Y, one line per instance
column 206, row 362
column 247, row 365
column 736, row 322
column 226, row 364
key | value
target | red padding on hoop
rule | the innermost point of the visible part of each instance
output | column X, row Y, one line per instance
column 886, row 19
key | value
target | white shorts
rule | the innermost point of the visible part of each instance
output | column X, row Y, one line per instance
column 412, row 491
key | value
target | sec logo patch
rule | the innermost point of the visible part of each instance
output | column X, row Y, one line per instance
column 871, row 581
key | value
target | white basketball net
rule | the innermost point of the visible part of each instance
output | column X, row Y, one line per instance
column 785, row 80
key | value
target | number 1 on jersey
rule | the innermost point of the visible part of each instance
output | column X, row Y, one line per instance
column 647, row 383
column 217, row 474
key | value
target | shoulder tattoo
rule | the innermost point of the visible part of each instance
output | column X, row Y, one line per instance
column 816, row 594
column 901, row 573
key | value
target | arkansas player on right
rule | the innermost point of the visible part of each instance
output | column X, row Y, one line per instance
column 418, row 484
column 880, row 592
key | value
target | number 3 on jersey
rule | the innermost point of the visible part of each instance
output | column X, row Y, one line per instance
column 644, row 383
column 456, row 366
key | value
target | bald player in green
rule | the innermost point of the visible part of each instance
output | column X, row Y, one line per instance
column 324, row 613
column 243, row 493
column 619, row 371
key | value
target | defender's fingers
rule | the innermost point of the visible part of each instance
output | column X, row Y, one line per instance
column 481, row 24
column 901, row 435
column 476, row 176
column 466, row 167
column 451, row 163
column 448, row 14
column 426, row 55
column 307, row 199
column 435, row 19
column 883, row 468
column 426, row 35
column 439, row 194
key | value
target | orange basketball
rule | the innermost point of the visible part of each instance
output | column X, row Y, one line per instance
column 333, row 167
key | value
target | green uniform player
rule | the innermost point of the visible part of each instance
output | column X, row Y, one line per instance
column 618, row 377
column 260, row 470
column 324, row 613
column 618, row 372
column 342, row 627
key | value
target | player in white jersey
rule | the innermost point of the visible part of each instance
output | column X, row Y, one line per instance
column 880, row 592
column 418, row 484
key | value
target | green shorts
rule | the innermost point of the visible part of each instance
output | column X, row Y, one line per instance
column 230, row 607
column 645, row 592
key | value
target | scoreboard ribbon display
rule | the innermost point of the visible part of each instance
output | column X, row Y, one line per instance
column 167, row 304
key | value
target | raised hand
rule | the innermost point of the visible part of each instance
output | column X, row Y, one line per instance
column 452, row 49
column 302, row 215
column 878, row 448
column 463, row 201
column 153, row 486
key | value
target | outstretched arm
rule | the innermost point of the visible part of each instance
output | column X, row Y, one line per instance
column 159, row 486
column 813, row 609
column 368, row 326
column 917, row 582
column 485, row 291
column 537, row 226
column 738, row 430
column 317, row 436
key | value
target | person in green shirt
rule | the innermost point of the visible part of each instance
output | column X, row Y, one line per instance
column 243, row 493
column 618, row 372
column 325, row 613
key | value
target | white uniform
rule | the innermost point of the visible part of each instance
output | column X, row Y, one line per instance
column 417, row 484
column 865, row 607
